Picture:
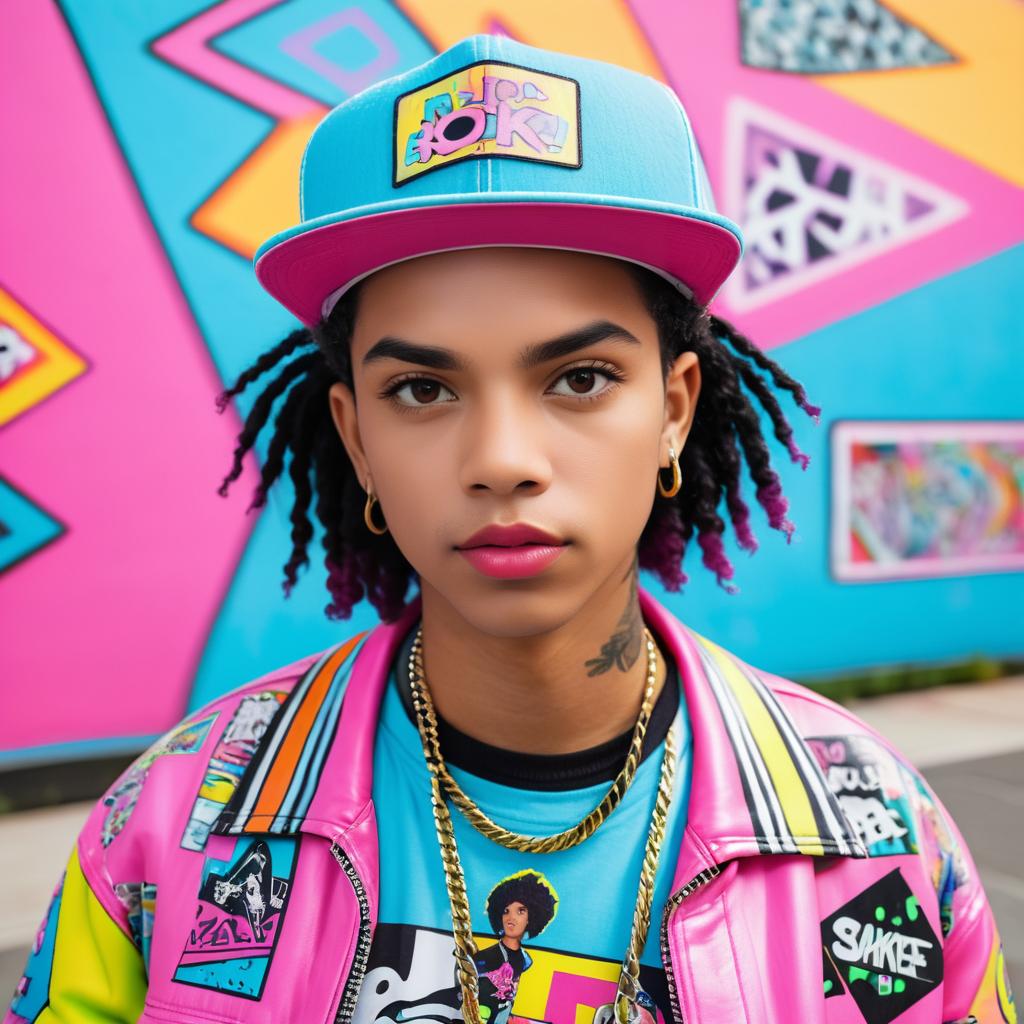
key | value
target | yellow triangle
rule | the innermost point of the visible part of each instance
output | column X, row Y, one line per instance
column 971, row 107
column 260, row 197
column 48, row 365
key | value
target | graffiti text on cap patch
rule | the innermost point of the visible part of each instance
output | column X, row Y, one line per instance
column 487, row 109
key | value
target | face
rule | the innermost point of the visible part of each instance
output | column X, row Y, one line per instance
column 515, row 920
column 512, row 385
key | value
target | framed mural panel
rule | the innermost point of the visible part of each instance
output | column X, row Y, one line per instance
column 914, row 499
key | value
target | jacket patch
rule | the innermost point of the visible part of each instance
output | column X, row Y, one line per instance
column 487, row 109
column 884, row 949
column 242, row 904
column 230, row 758
column 139, row 901
column 186, row 738
column 832, row 982
column 942, row 854
column 871, row 792
column 32, row 992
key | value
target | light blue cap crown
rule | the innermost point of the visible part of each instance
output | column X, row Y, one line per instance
column 493, row 142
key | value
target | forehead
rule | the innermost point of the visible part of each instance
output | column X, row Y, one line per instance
column 498, row 294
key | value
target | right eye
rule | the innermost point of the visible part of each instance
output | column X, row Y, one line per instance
column 423, row 391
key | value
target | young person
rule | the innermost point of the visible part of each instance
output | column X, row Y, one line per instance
column 509, row 388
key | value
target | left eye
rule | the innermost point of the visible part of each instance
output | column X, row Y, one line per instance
column 580, row 380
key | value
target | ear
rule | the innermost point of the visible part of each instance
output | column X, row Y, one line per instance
column 343, row 412
column 681, row 391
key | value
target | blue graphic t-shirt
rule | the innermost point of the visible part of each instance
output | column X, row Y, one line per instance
column 551, row 929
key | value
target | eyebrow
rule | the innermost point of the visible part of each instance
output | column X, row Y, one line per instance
column 436, row 358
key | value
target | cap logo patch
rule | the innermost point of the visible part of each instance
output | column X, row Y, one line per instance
column 487, row 109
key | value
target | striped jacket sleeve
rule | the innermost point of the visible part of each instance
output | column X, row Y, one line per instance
column 83, row 966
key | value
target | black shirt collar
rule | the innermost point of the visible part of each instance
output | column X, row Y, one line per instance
column 548, row 772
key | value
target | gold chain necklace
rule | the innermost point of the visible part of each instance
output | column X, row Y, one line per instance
column 623, row 1009
column 477, row 818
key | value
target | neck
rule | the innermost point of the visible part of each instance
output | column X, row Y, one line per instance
column 568, row 688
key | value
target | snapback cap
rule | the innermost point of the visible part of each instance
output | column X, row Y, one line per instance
column 493, row 142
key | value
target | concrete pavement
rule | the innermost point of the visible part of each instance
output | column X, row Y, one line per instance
column 968, row 740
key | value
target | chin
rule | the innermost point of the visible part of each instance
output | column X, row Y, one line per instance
column 507, row 608
column 516, row 615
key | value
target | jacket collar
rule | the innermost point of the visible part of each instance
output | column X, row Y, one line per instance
column 756, row 787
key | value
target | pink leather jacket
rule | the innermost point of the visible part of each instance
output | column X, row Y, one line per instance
column 231, row 874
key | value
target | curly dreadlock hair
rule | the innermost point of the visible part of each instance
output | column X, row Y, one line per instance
column 725, row 432
column 533, row 891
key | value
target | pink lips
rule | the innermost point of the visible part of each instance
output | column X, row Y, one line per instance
column 511, row 552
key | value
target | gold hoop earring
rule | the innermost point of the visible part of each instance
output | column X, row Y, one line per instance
column 368, row 515
column 677, row 476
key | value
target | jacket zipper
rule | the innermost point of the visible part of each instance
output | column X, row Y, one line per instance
column 347, row 1003
column 666, row 958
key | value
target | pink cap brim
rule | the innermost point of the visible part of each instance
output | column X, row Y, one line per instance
column 301, row 271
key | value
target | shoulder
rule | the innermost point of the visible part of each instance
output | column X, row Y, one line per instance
column 172, row 793
column 855, row 758
column 798, row 711
column 885, row 797
column 814, row 714
column 916, row 855
column 860, row 764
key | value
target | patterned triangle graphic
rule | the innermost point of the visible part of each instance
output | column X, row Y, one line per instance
column 817, row 37
column 34, row 362
column 24, row 527
column 969, row 106
column 811, row 207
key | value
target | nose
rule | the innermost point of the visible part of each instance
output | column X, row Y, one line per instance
column 504, row 445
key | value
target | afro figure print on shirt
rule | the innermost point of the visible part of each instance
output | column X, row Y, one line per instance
column 519, row 906
column 411, row 976
column 421, row 983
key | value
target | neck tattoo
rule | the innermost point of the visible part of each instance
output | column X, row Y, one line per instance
column 623, row 647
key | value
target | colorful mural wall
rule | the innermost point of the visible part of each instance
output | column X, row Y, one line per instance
column 871, row 150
